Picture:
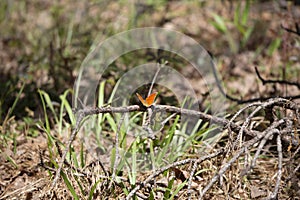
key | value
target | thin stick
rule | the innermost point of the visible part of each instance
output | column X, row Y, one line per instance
column 279, row 173
column 237, row 155
column 194, row 167
column 266, row 81
column 153, row 80
column 259, row 149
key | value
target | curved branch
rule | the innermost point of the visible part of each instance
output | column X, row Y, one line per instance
column 266, row 81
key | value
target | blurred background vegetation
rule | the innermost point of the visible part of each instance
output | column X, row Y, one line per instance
column 42, row 43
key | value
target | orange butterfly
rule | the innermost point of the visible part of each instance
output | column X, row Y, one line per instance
column 149, row 100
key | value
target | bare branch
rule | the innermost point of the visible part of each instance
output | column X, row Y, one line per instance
column 161, row 170
column 266, row 81
column 237, row 155
column 279, row 174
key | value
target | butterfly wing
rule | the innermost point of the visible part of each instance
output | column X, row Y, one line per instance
column 141, row 99
column 151, row 98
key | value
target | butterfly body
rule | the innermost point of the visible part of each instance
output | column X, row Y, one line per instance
column 149, row 100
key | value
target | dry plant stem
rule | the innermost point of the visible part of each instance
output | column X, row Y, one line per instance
column 279, row 173
column 142, row 196
column 205, row 117
column 162, row 124
column 245, row 124
column 296, row 152
column 92, row 164
column 271, row 102
column 194, row 167
column 178, row 163
column 154, row 79
column 294, row 172
column 149, row 121
column 262, row 106
column 298, row 166
column 239, row 112
column 81, row 115
column 238, row 154
column 259, row 149
column 26, row 189
column 247, row 159
column 117, row 151
column 221, row 172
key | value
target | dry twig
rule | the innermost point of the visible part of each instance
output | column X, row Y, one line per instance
column 178, row 163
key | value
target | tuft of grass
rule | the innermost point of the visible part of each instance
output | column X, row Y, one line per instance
column 240, row 23
column 6, row 134
column 11, row 109
column 69, row 186
column 274, row 46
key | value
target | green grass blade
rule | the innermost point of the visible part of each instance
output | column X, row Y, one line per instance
column 236, row 17
column 69, row 186
column 179, row 187
column 49, row 104
column 246, row 36
column 245, row 13
column 112, row 158
column 134, row 167
column 274, row 46
column 14, row 104
column 74, row 158
column 165, row 145
column 67, row 106
column 82, row 159
column 111, row 122
column 219, row 23
column 47, row 128
column 100, row 116
column 113, row 92
column 12, row 161
column 90, row 197
column 169, row 189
